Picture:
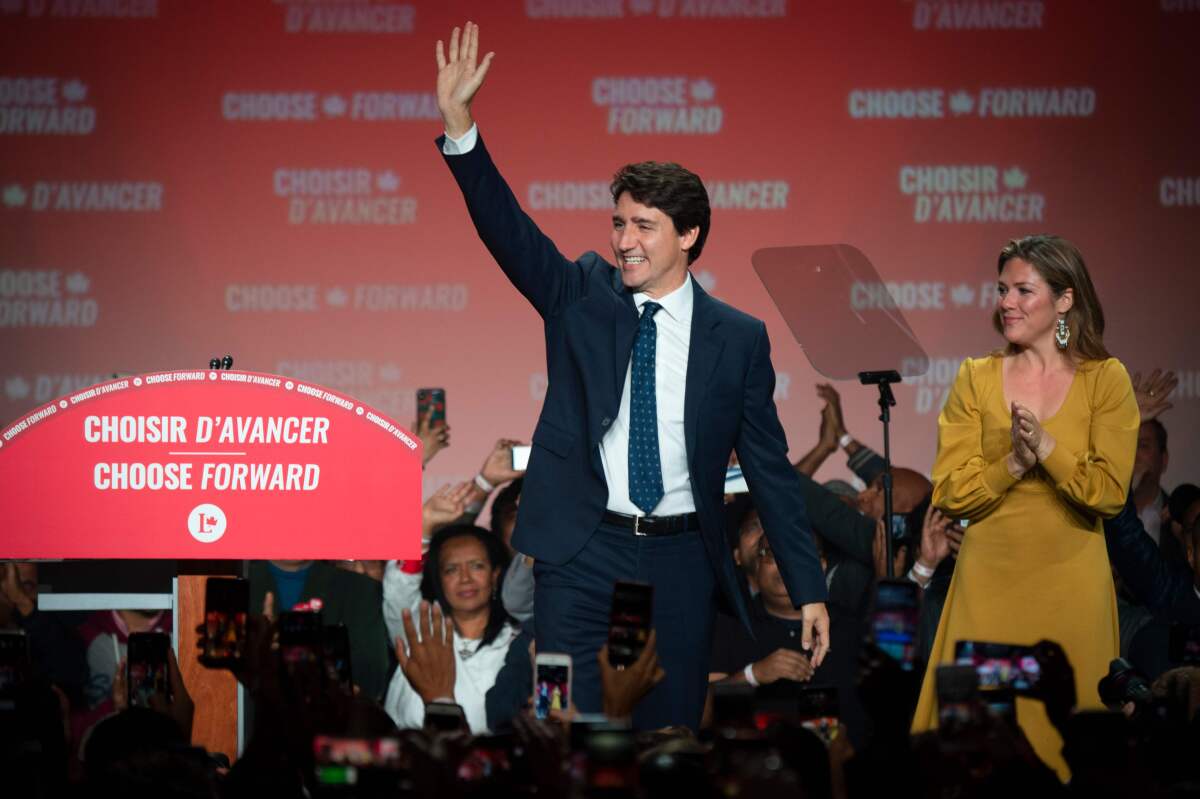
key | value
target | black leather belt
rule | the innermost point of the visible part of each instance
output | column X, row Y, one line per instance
column 654, row 525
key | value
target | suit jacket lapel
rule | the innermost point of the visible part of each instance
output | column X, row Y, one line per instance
column 625, row 324
column 703, row 353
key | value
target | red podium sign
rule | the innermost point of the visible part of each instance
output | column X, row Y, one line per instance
column 209, row 464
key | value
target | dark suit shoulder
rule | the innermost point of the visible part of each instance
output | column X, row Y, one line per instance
column 726, row 314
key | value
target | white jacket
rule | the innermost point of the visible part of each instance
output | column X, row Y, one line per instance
column 474, row 675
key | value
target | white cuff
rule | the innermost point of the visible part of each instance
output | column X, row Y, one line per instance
column 845, row 440
column 749, row 672
column 463, row 144
column 483, row 484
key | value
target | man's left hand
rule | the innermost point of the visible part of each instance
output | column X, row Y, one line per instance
column 815, row 637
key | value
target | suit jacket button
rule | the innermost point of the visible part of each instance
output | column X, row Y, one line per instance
column 605, row 422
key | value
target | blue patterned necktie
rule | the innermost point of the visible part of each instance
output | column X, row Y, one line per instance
column 645, row 471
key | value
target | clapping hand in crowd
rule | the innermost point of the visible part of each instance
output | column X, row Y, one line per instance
column 444, row 506
column 1152, row 393
column 936, row 543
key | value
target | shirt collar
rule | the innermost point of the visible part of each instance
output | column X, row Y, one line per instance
column 677, row 304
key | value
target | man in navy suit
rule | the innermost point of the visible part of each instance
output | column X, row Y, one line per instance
column 652, row 384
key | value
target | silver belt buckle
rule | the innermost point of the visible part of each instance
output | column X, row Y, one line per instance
column 637, row 526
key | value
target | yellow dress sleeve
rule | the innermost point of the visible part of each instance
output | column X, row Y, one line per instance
column 965, row 485
column 1098, row 479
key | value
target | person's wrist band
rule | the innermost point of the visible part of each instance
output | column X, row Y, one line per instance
column 749, row 672
column 483, row 484
column 845, row 440
column 916, row 578
column 922, row 570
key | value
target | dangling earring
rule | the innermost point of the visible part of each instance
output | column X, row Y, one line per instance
column 1062, row 333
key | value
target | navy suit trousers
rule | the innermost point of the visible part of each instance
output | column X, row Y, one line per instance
column 572, row 604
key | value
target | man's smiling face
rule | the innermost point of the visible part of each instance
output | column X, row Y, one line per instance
column 650, row 253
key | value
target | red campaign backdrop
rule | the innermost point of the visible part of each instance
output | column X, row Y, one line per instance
column 180, row 180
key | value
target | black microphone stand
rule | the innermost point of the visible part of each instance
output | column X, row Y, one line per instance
column 887, row 399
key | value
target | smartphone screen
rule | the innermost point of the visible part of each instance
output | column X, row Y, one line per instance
column 300, row 647
column 894, row 620
column 226, row 603
column 434, row 398
column 1001, row 703
column 146, row 668
column 552, row 683
column 956, row 691
column 1000, row 665
column 819, row 710
column 629, row 622
column 336, row 650
column 520, row 457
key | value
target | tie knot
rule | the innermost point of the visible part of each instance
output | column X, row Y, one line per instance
column 649, row 309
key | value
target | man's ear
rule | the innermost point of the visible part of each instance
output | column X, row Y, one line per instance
column 737, row 555
column 688, row 238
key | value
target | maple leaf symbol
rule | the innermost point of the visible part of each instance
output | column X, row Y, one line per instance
column 337, row 297
column 961, row 295
column 333, row 106
column 961, row 102
column 703, row 91
column 707, row 280
column 78, row 283
column 16, row 387
column 387, row 181
column 1014, row 178
column 14, row 195
column 211, row 521
column 74, row 90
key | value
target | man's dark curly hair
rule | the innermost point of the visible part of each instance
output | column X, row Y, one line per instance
column 677, row 192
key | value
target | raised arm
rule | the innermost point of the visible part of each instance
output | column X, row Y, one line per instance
column 965, row 485
column 527, row 256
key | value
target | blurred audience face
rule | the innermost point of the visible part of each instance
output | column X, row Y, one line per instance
column 1151, row 456
column 909, row 489
column 468, row 577
column 749, row 534
column 770, row 581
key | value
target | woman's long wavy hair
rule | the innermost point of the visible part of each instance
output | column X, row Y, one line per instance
column 1061, row 265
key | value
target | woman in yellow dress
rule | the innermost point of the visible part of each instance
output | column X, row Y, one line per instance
column 1035, row 448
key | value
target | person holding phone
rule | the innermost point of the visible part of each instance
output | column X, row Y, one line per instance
column 455, row 631
column 652, row 385
column 1035, row 447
